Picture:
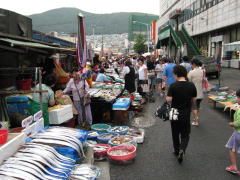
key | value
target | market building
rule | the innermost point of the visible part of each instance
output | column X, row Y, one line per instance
column 211, row 24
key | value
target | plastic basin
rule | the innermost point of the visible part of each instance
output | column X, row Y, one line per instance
column 123, row 132
column 126, row 147
column 92, row 137
column 100, row 128
column 3, row 136
column 129, row 142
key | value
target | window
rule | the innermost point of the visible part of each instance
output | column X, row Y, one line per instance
column 238, row 34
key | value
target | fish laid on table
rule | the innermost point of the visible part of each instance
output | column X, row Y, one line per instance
column 36, row 163
column 41, row 160
column 5, row 177
column 84, row 172
column 51, row 149
column 58, row 142
column 17, row 174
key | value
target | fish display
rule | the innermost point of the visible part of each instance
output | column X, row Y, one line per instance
column 84, row 172
column 121, row 139
column 119, row 152
column 118, row 129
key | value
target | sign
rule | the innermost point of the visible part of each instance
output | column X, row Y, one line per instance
column 37, row 116
column 26, row 122
column 164, row 34
column 217, row 38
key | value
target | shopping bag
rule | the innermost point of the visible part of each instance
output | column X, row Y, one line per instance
column 145, row 88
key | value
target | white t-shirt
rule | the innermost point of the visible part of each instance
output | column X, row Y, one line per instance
column 141, row 72
column 125, row 71
column 160, row 69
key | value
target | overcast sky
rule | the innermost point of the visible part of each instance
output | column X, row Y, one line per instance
column 28, row 7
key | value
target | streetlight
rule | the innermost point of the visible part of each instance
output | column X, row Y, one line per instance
column 147, row 25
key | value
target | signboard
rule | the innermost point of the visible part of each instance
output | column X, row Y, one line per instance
column 217, row 38
column 26, row 122
column 164, row 34
column 37, row 116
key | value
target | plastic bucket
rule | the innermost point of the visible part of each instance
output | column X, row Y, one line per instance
column 3, row 136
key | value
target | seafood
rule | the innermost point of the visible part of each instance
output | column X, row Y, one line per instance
column 93, row 134
column 121, row 139
column 5, row 177
column 58, row 142
column 17, row 173
column 84, row 172
column 29, row 160
column 119, row 153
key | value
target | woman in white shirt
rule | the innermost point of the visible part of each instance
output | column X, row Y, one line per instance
column 159, row 70
column 142, row 77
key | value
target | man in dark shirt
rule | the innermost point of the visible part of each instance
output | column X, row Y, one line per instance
column 181, row 94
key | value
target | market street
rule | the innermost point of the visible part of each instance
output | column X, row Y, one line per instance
column 206, row 156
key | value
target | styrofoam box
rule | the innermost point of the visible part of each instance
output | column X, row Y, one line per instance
column 62, row 115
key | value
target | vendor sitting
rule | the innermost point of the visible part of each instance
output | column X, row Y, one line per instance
column 47, row 98
column 101, row 77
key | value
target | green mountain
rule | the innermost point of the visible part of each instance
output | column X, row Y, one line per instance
column 65, row 20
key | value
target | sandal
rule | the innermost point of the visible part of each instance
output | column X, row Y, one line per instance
column 233, row 170
column 195, row 123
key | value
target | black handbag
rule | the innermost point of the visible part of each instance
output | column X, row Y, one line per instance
column 163, row 111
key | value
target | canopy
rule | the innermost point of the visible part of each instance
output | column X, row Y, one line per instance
column 234, row 46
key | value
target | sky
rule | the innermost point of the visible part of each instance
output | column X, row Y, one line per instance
column 28, row 7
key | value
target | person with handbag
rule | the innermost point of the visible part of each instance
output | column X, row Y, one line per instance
column 197, row 77
column 79, row 88
column 181, row 95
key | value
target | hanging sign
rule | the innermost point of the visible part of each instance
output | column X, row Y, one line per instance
column 26, row 122
column 37, row 116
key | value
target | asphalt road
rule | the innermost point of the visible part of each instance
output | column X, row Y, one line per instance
column 206, row 156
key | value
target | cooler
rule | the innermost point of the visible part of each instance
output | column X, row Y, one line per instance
column 122, row 104
column 59, row 116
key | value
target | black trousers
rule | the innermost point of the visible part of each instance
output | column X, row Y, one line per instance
column 181, row 132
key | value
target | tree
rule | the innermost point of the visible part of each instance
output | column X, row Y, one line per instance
column 139, row 44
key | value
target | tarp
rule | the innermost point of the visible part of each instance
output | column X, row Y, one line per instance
column 234, row 46
column 32, row 44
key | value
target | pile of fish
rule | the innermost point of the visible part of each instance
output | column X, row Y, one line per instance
column 121, row 140
column 84, row 172
column 119, row 129
column 39, row 160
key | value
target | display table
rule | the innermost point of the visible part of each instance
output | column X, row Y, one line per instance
column 226, row 104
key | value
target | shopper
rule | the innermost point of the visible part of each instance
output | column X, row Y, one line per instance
column 101, row 77
column 159, row 70
column 196, row 76
column 129, row 76
column 79, row 88
column 142, row 78
column 181, row 95
column 186, row 63
column 47, row 98
column 233, row 143
column 168, row 73
column 115, row 66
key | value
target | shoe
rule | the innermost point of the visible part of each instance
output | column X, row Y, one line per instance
column 175, row 153
column 180, row 156
column 195, row 123
column 233, row 170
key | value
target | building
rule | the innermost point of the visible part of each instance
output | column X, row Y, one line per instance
column 140, row 24
column 210, row 23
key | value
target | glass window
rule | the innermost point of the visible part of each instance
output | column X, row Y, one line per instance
column 233, row 35
column 238, row 34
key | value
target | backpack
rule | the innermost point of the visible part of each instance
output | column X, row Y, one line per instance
column 163, row 111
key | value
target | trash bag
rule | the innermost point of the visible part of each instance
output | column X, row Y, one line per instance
column 163, row 111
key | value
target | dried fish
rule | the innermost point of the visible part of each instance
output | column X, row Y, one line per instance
column 5, row 177
column 17, row 173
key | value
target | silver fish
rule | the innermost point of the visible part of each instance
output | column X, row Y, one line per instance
column 23, row 168
column 45, row 154
column 5, row 177
column 30, row 165
column 40, row 159
column 52, row 150
column 29, row 160
column 61, row 137
column 59, row 142
column 17, row 174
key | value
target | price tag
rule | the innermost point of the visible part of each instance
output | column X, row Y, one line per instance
column 37, row 116
column 26, row 122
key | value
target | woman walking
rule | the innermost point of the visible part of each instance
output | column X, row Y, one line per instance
column 142, row 78
column 79, row 88
column 129, row 76
column 196, row 76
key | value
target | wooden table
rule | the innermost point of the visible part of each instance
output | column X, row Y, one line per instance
column 213, row 98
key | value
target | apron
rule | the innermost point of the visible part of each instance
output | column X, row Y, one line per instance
column 35, row 107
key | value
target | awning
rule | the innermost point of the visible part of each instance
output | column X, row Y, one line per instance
column 164, row 33
column 235, row 46
column 33, row 45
